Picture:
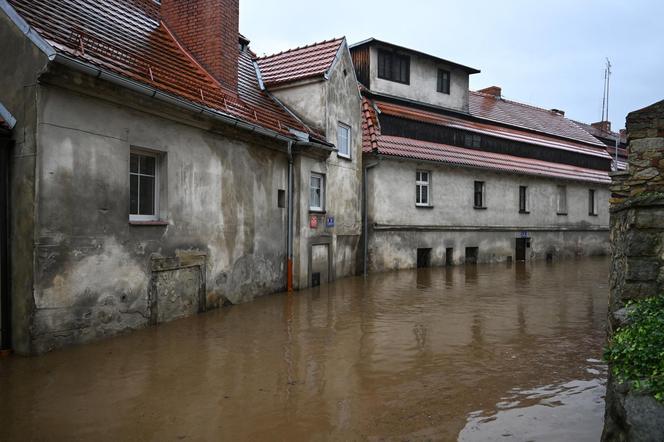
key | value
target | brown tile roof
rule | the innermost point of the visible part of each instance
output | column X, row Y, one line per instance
column 459, row 156
column 374, row 141
column 126, row 37
column 489, row 128
column 528, row 117
column 595, row 132
column 301, row 63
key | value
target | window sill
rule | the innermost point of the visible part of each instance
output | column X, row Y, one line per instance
column 524, row 212
column 592, row 214
column 479, row 207
column 562, row 214
column 344, row 157
column 422, row 206
column 148, row 223
column 317, row 211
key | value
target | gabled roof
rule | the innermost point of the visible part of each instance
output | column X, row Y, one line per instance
column 375, row 41
column 301, row 63
column 520, row 115
column 599, row 133
column 126, row 38
column 373, row 141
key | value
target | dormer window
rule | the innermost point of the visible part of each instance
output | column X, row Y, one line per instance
column 443, row 81
column 393, row 66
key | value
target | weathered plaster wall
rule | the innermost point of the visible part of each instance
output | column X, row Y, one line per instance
column 341, row 104
column 21, row 64
column 424, row 82
column 219, row 197
column 398, row 227
column 637, row 244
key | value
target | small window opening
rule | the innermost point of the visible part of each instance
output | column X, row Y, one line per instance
column 423, row 258
column 281, row 198
column 472, row 254
column 449, row 256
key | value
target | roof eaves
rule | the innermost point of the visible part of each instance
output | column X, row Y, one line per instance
column 9, row 120
column 27, row 30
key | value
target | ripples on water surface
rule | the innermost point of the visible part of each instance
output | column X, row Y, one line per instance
column 491, row 352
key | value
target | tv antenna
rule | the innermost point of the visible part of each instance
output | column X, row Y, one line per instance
column 607, row 86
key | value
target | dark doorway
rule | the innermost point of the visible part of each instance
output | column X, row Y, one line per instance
column 471, row 255
column 423, row 258
column 449, row 256
column 521, row 244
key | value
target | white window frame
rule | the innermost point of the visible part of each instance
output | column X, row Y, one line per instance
column 321, row 206
column 157, row 165
column 419, row 185
column 562, row 199
column 341, row 127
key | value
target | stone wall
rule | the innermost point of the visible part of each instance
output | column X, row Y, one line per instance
column 637, row 242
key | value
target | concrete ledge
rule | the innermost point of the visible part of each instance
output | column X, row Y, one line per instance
column 434, row 228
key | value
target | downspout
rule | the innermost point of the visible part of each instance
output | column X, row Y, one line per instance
column 5, row 298
column 289, row 257
column 365, row 221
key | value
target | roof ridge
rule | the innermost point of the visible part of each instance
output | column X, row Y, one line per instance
column 299, row 48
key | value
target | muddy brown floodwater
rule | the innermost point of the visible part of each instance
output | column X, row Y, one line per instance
column 493, row 352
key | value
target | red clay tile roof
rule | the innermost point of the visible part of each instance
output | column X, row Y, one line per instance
column 423, row 150
column 302, row 63
column 527, row 117
column 374, row 141
column 488, row 128
column 127, row 38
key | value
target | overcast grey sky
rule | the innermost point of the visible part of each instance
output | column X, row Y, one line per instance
column 546, row 53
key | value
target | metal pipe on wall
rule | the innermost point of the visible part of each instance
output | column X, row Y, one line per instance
column 365, row 221
column 289, row 258
column 5, row 296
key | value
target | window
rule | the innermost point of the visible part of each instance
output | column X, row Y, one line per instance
column 422, row 194
column 143, row 186
column 343, row 140
column 443, row 81
column 317, row 192
column 592, row 206
column 393, row 67
column 479, row 195
column 523, row 199
column 562, row 200
column 472, row 140
column 281, row 198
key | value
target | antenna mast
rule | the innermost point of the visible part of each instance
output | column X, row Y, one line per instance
column 607, row 85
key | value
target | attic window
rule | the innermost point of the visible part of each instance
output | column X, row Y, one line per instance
column 443, row 81
column 393, row 66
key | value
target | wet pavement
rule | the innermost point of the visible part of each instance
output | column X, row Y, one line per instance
column 487, row 352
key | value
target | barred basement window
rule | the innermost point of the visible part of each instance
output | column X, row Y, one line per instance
column 422, row 195
column 444, row 81
column 143, row 186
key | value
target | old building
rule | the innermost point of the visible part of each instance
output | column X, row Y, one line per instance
column 154, row 175
column 458, row 176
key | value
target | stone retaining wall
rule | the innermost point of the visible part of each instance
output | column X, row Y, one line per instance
column 637, row 242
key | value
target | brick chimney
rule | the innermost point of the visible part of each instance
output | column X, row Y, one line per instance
column 209, row 30
column 604, row 126
column 492, row 90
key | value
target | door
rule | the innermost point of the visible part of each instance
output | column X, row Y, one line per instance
column 521, row 244
column 320, row 265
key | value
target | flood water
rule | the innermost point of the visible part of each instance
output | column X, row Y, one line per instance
column 487, row 352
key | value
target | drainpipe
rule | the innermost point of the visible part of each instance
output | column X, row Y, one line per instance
column 5, row 298
column 289, row 259
column 365, row 222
